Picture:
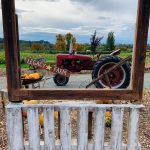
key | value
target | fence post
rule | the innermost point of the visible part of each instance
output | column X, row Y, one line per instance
column 14, row 127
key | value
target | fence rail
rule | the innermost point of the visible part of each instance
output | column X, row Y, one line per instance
column 15, row 127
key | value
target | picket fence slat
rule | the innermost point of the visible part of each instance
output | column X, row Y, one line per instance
column 99, row 129
column 49, row 131
column 117, row 125
column 15, row 127
column 33, row 128
column 65, row 130
column 133, row 129
column 83, row 129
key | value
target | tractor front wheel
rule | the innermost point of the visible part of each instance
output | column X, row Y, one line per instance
column 60, row 80
column 118, row 78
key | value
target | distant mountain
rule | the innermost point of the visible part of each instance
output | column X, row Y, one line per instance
column 26, row 41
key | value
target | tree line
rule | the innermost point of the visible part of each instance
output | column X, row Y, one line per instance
column 63, row 42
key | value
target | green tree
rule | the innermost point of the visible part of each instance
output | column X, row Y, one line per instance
column 37, row 46
column 60, row 42
column 110, row 43
column 80, row 47
column 68, row 38
column 95, row 42
column 74, row 43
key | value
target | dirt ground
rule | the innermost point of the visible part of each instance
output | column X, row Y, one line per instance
column 144, row 127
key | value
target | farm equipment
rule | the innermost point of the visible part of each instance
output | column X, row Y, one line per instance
column 107, row 71
column 116, row 78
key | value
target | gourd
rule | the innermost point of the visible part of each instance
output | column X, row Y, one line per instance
column 24, row 113
column 41, row 118
column 31, row 76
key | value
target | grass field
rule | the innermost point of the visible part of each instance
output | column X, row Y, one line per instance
column 51, row 58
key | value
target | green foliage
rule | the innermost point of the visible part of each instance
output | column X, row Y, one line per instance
column 110, row 43
column 37, row 47
column 68, row 38
column 95, row 42
column 60, row 42
column 2, row 57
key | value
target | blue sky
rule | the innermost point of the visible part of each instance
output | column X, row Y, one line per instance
column 43, row 19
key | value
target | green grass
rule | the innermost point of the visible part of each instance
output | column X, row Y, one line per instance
column 51, row 58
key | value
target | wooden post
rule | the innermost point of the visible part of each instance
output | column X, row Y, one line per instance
column 140, row 45
column 10, row 45
column 14, row 127
column 18, row 49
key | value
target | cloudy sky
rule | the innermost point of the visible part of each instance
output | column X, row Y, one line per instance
column 43, row 19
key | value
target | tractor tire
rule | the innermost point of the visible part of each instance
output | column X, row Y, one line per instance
column 118, row 78
column 60, row 80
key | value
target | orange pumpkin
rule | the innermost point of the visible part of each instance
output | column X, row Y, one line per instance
column 24, row 113
column 103, row 101
column 31, row 76
column 107, row 114
column 41, row 118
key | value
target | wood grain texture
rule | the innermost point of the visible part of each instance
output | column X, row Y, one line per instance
column 81, row 143
column 49, row 131
column 140, row 46
column 10, row 46
column 116, row 129
column 99, row 129
column 133, row 129
column 11, row 38
column 83, row 129
column 14, row 129
column 75, row 94
column 33, row 128
column 65, row 129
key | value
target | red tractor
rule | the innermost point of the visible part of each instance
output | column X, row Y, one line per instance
column 118, row 78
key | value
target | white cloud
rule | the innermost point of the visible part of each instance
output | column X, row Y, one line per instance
column 80, row 17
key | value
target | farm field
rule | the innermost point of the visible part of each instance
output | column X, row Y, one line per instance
column 51, row 58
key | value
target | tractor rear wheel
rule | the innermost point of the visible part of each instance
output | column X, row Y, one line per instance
column 118, row 78
column 60, row 80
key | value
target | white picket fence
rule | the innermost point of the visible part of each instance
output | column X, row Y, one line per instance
column 15, row 127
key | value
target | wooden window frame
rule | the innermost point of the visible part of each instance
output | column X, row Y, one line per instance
column 11, row 45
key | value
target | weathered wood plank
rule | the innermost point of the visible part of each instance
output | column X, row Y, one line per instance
column 14, row 129
column 49, row 132
column 82, row 140
column 18, row 50
column 75, row 94
column 33, row 128
column 133, row 129
column 117, row 125
column 83, row 129
column 10, row 46
column 140, row 46
column 74, row 146
column 99, row 129
column 65, row 129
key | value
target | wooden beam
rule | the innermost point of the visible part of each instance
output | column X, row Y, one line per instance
column 10, row 45
column 140, row 45
column 75, row 94
column 18, row 49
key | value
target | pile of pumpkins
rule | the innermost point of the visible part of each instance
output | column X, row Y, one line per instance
column 41, row 116
column 31, row 76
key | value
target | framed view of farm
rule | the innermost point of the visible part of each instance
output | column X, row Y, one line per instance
column 70, row 70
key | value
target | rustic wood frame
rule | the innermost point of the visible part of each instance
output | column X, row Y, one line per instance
column 11, row 44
